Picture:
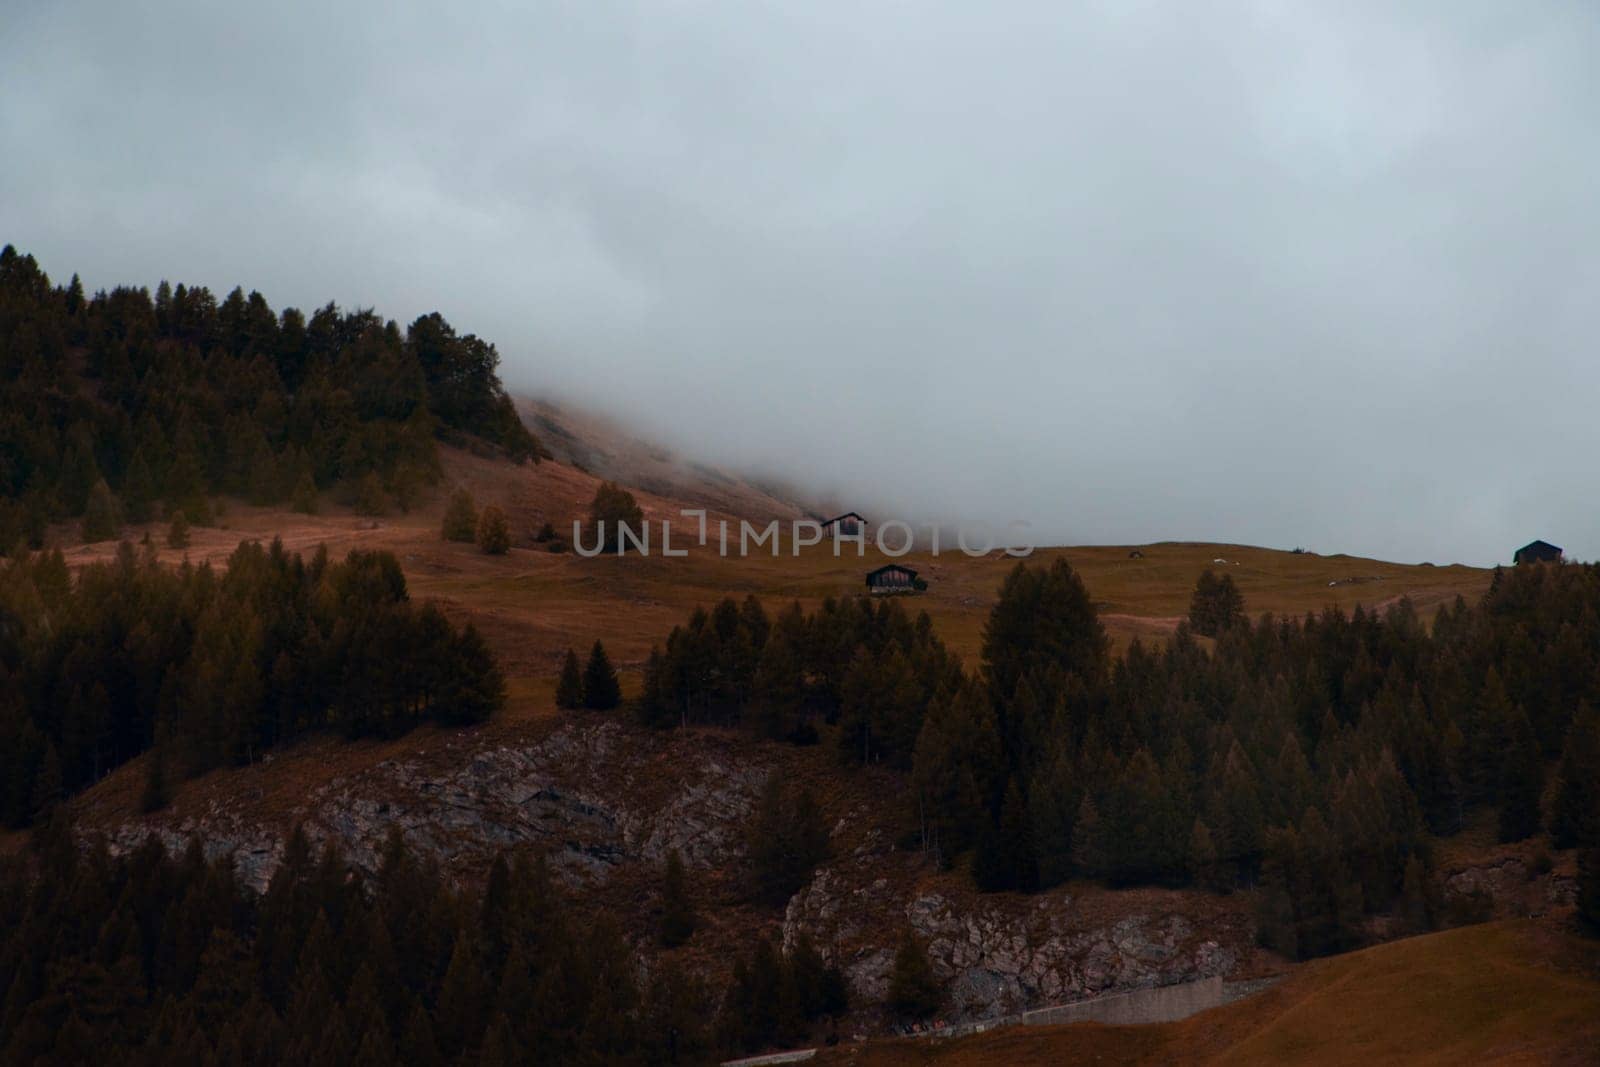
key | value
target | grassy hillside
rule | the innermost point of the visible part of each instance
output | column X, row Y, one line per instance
column 1511, row 992
column 533, row 604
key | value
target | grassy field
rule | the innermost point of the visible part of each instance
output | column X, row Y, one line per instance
column 533, row 604
column 1517, row 992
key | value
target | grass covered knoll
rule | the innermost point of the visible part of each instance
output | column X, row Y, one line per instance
column 1511, row 992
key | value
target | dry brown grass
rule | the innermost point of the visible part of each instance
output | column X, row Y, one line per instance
column 1513, row 992
column 533, row 604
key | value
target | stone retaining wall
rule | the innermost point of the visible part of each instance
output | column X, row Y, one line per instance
column 1161, row 1004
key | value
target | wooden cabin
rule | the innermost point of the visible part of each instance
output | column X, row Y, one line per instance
column 1537, row 552
column 849, row 523
column 891, row 578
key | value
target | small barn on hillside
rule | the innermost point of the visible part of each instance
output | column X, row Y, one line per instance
column 891, row 578
column 849, row 523
column 1537, row 552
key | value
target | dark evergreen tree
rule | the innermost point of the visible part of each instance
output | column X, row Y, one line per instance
column 787, row 840
column 677, row 912
column 1521, row 781
column 569, row 690
column 460, row 517
column 1216, row 606
column 601, row 691
column 102, row 515
column 178, row 532
column 1589, row 890
column 914, row 990
column 1575, row 813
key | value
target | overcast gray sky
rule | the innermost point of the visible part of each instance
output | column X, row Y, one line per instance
column 1281, row 273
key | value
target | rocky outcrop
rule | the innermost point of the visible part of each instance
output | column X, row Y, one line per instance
column 553, row 794
column 995, row 957
column 600, row 799
column 1509, row 886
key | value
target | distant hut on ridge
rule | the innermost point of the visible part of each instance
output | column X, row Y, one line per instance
column 1537, row 552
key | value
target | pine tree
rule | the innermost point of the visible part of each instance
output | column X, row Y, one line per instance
column 1006, row 858
column 178, row 532
column 370, row 497
column 138, row 488
column 102, row 515
column 157, row 793
column 653, row 708
column 1088, row 845
column 913, row 989
column 677, row 912
column 1589, row 890
column 463, row 999
column 1521, row 781
column 600, row 689
column 304, row 499
column 460, row 517
column 1216, row 604
column 786, row 840
column 569, row 690
column 1204, row 868
column 1413, row 908
column 1575, row 814
column 494, row 531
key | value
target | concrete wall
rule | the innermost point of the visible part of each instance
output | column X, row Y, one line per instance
column 798, row 1055
column 1163, row 1004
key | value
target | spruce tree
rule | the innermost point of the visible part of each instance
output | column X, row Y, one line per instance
column 178, row 532
column 102, row 515
column 569, row 690
column 600, row 689
column 1521, row 781
column 1216, row 605
column 1589, row 890
column 494, row 532
column 1575, row 813
column 304, row 500
column 1414, row 898
column 914, row 991
column 677, row 911
column 1006, row 858
column 370, row 497
column 157, row 791
column 138, row 489
column 460, row 517
column 1205, row 870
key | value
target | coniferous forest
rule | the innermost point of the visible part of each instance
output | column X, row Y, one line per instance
column 1313, row 758
column 132, row 406
column 213, row 667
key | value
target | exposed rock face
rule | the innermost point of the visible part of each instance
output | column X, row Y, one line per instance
column 994, row 958
column 599, row 798
column 1511, row 886
column 551, row 794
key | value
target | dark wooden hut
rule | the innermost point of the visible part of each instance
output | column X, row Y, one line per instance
column 1537, row 552
column 848, row 523
column 892, row 578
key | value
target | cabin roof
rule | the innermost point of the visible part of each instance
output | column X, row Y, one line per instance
column 890, row 567
column 1535, row 546
column 846, row 515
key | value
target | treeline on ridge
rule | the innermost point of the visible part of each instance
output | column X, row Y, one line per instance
column 1315, row 757
column 212, row 667
column 153, row 405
